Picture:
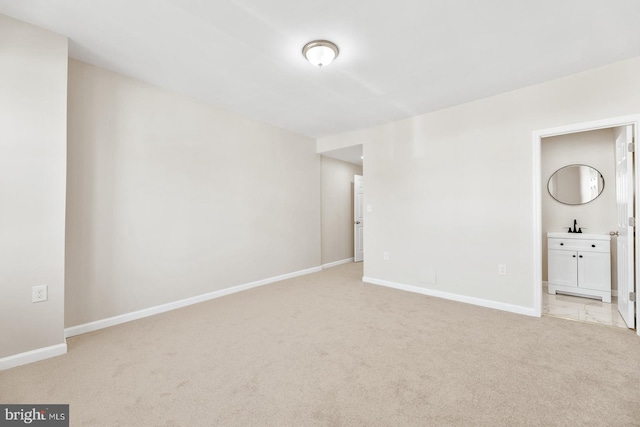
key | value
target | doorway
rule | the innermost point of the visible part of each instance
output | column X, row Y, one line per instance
column 338, row 168
column 540, row 190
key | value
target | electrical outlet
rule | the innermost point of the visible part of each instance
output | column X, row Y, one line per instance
column 385, row 255
column 368, row 208
column 502, row 269
column 39, row 293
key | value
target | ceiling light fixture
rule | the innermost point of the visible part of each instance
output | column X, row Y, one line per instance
column 320, row 52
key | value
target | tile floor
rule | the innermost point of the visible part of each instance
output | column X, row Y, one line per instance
column 581, row 309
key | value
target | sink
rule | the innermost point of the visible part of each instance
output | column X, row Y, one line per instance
column 565, row 235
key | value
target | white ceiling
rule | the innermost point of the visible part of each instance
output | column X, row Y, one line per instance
column 398, row 58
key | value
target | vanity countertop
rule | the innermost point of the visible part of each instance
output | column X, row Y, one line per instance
column 592, row 236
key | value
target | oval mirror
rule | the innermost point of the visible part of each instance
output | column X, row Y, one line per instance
column 576, row 184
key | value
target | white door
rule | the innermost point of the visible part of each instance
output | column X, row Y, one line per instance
column 358, row 223
column 624, row 246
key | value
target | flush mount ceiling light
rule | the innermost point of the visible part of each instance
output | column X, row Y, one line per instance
column 320, row 52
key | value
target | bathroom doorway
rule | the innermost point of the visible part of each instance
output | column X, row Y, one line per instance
column 588, row 149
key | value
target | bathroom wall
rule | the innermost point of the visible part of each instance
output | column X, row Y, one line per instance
column 595, row 149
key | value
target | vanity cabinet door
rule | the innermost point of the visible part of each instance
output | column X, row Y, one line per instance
column 562, row 267
column 594, row 271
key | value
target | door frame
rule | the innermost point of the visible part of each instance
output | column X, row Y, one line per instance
column 537, row 195
column 357, row 222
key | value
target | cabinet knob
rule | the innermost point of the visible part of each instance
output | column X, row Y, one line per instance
column 580, row 256
column 573, row 256
column 593, row 246
column 561, row 244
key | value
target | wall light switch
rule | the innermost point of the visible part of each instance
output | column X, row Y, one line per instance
column 502, row 269
column 368, row 208
column 385, row 255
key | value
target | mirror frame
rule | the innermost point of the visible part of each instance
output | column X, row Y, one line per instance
column 575, row 204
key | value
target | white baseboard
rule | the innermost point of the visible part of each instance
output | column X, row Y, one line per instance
column 146, row 312
column 32, row 356
column 336, row 263
column 614, row 292
column 528, row 311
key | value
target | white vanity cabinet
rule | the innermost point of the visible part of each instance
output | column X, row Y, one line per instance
column 580, row 264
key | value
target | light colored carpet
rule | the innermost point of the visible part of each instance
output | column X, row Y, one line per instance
column 326, row 349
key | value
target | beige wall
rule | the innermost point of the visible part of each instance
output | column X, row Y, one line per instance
column 170, row 198
column 452, row 191
column 33, row 93
column 596, row 149
column 337, row 209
